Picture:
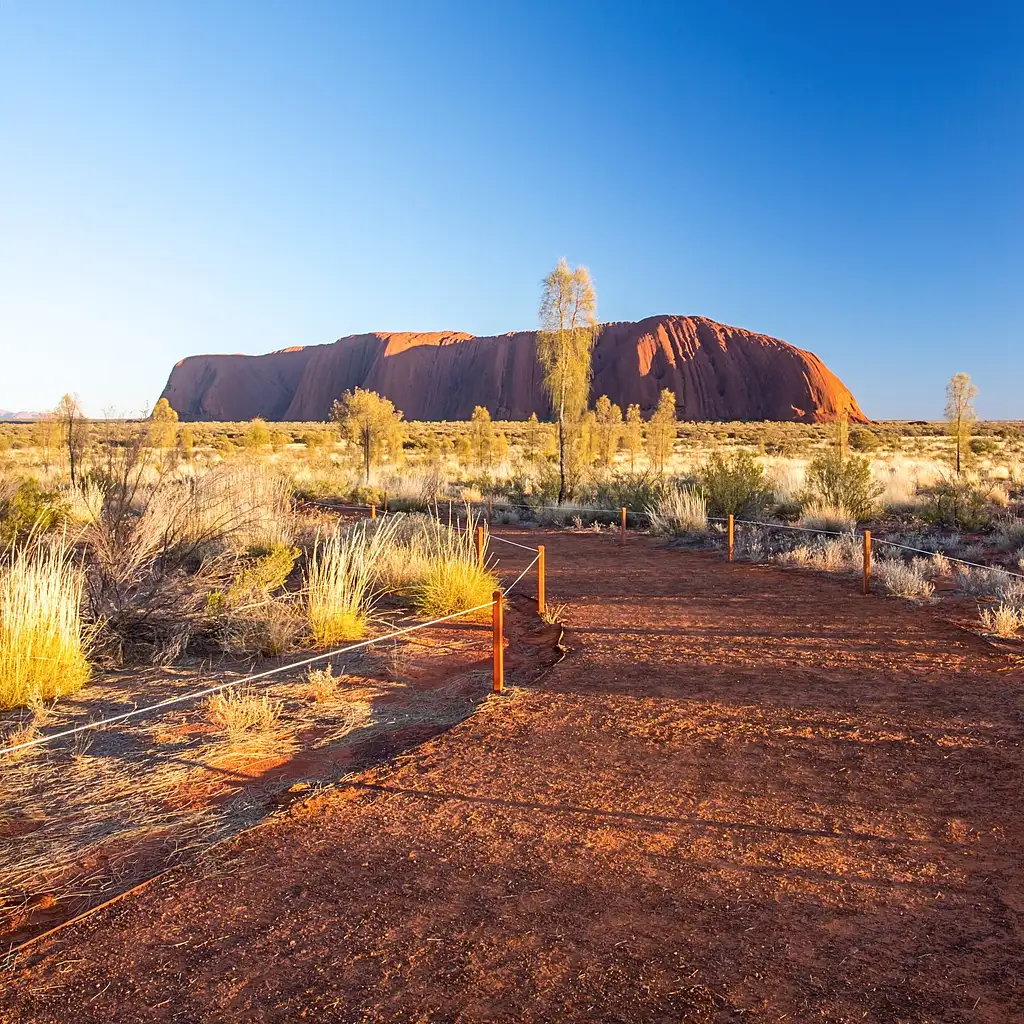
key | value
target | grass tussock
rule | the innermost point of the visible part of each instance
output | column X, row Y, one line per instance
column 680, row 511
column 243, row 715
column 322, row 684
column 827, row 517
column 341, row 581
column 1004, row 620
column 452, row 578
column 43, row 642
column 836, row 554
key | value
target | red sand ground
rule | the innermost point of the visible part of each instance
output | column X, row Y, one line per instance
column 747, row 794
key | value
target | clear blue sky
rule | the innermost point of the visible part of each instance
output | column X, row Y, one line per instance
column 189, row 177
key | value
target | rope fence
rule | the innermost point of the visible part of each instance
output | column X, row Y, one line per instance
column 496, row 603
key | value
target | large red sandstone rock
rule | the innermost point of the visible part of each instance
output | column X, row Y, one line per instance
column 716, row 372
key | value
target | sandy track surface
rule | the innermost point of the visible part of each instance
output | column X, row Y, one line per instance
column 746, row 794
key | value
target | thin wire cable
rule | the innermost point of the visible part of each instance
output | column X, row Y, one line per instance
column 949, row 558
column 524, row 572
column 188, row 697
column 879, row 540
column 783, row 526
column 492, row 536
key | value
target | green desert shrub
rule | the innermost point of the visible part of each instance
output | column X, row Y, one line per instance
column 863, row 440
column 734, row 485
column 29, row 510
column 844, row 483
column 955, row 504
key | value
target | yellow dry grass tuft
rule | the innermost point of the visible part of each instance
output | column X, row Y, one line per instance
column 242, row 714
column 452, row 579
column 1005, row 620
column 43, row 643
column 341, row 581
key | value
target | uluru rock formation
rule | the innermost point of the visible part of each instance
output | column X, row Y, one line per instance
column 716, row 373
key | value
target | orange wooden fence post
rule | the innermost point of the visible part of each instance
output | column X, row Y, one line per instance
column 622, row 527
column 373, row 511
column 480, row 546
column 732, row 534
column 384, row 507
column 540, row 579
column 498, row 641
column 867, row 561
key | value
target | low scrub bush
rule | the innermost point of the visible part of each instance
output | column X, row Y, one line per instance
column 630, row 490
column 955, row 504
column 1004, row 620
column 844, row 483
column 681, row 511
column 43, row 644
column 242, row 714
column 28, row 512
column 1010, row 534
column 819, row 515
column 734, row 485
column 905, row 579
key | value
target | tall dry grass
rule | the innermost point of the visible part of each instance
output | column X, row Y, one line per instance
column 43, row 643
column 680, row 511
column 341, row 586
column 452, row 579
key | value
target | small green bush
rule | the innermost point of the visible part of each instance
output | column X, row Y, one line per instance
column 955, row 504
column 30, row 509
column 863, row 440
column 734, row 486
column 844, row 483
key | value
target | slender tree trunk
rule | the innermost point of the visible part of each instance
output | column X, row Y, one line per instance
column 561, row 458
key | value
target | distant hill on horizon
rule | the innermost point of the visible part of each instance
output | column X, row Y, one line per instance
column 14, row 416
column 716, row 373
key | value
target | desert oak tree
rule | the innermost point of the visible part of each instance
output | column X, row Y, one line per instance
column 568, row 325
column 661, row 431
column 371, row 422
column 74, row 432
column 960, row 414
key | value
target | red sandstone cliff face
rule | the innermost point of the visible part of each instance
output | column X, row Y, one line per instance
column 716, row 373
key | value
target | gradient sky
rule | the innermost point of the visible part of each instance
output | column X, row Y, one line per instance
column 189, row 177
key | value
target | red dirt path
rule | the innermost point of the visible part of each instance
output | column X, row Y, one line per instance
column 747, row 794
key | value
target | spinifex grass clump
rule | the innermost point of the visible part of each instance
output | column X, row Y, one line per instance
column 43, row 644
column 1004, row 620
column 340, row 582
column 243, row 714
column 452, row 578
column 680, row 511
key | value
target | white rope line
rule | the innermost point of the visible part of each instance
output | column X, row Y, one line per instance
column 949, row 558
column 800, row 529
column 564, row 508
column 187, row 697
column 525, row 571
column 333, row 505
column 513, row 543
column 879, row 540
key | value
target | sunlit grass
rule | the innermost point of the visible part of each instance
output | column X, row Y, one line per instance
column 341, row 581
column 43, row 643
